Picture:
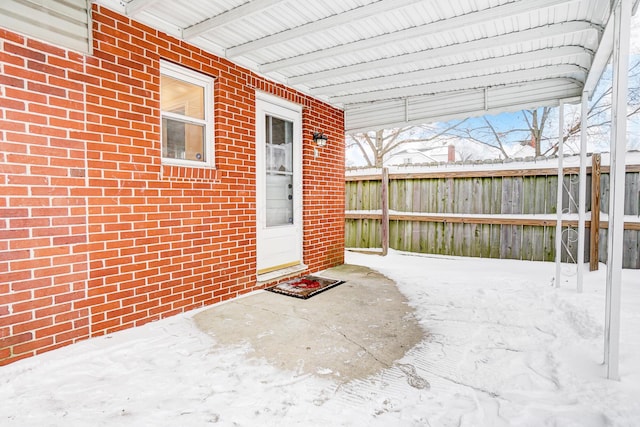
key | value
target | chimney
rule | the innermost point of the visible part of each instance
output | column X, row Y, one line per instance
column 451, row 153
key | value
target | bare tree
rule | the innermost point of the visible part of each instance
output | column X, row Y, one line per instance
column 599, row 111
column 537, row 127
column 375, row 146
column 495, row 132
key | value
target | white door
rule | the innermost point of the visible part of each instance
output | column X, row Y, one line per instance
column 279, row 183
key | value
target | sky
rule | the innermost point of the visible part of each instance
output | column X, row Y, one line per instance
column 502, row 346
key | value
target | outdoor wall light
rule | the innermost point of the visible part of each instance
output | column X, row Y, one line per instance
column 320, row 139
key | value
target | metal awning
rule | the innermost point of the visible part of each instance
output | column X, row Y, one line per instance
column 392, row 62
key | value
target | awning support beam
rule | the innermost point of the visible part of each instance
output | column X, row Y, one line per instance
column 621, row 37
column 559, row 195
column 582, row 189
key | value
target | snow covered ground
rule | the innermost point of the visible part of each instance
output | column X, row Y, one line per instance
column 504, row 348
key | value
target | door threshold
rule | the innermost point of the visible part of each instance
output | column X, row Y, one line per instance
column 283, row 272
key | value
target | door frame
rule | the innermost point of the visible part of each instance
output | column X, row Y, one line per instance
column 267, row 104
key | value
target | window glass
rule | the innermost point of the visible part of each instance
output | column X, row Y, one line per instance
column 181, row 97
column 279, row 171
column 184, row 141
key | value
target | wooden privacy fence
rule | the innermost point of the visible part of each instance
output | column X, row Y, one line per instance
column 508, row 214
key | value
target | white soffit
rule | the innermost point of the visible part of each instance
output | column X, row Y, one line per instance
column 392, row 62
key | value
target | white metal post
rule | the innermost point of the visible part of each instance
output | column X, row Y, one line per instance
column 559, row 195
column 621, row 37
column 582, row 189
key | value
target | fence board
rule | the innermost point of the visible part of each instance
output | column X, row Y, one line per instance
column 447, row 239
column 517, row 195
column 507, row 196
column 426, row 195
column 540, row 196
column 408, row 236
column 528, row 237
column 528, row 193
column 538, row 243
column 604, row 193
column 516, row 241
column 438, row 236
column 496, row 196
column 366, row 194
column 364, row 234
column 632, row 195
column 602, row 245
column 393, row 234
column 549, row 250
column 630, row 251
column 552, row 192
column 422, row 241
column 458, row 239
column 495, row 241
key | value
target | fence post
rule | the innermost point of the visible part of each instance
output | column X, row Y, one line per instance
column 384, row 194
column 594, row 230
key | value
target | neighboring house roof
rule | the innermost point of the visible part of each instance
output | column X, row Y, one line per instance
column 428, row 155
column 390, row 62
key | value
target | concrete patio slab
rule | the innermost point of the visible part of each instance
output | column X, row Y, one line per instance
column 351, row 331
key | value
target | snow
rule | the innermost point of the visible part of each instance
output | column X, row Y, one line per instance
column 503, row 347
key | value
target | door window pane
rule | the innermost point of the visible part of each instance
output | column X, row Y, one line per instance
column 279, row 170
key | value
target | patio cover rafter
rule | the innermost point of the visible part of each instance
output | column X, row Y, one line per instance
column 136, row 6
column 457, row 49
column 495, row 79
column 460, row 104
column 480, row 16
column 227, row 18
column 331, row 21
column 435, row 73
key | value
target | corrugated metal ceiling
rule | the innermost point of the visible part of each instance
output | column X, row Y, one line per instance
column 389, row 62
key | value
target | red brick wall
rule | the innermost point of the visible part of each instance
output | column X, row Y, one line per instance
column 96, row 235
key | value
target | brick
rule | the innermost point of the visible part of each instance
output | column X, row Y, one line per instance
column 31, row 346
column 72, row 335
column 32, row 304
column 15, row 318
column 12, row 81
column 14, row 213
column 32, row 325
column 14, row 234
column 56, row 329
column 15, row 297
column 15, row 339
column 45, row 47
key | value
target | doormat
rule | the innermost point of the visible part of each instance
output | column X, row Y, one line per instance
column 304, row 287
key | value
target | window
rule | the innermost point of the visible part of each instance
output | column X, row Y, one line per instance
column 186, row 104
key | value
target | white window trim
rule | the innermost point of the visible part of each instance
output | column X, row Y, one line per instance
column 185, row 74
